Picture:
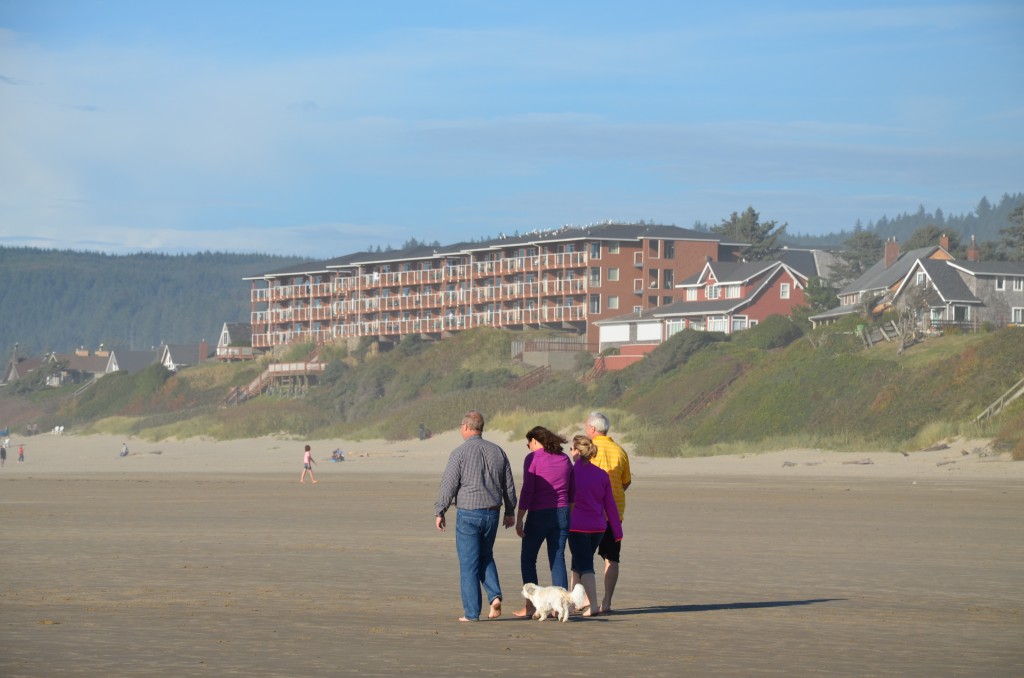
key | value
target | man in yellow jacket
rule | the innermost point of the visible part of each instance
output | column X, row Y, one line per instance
column 614, row 460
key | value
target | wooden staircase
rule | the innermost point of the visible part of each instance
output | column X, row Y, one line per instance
column 531, row 379
column 1015, row 391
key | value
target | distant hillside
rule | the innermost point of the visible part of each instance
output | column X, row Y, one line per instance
column 984, row 223
column 58, row 300
column 769, row 387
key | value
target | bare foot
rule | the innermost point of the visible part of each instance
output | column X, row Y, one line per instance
column 495, row 609
column 302, row 482
column 527, row 611
column 315, row 482
column 463, row 619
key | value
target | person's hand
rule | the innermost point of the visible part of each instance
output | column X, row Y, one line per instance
column 440, row 523
column 509, row 521
column 519, row 528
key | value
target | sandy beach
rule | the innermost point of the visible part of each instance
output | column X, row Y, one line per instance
column 199, row 557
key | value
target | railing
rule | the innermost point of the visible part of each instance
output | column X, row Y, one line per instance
column 1016, row 391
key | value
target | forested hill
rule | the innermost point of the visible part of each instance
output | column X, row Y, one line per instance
column 984, row 223
column 58, row 300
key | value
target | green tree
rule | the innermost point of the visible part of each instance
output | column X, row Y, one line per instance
column 860, row 252
column 929, row 235
column 1013, row 235
column 820, row 295
column 761, row 239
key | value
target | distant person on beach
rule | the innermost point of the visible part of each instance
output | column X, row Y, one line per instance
column 614, row 460
column 593, row 514
column 545, row 500
column 21, row 453
column 337, row 455
column 307, row 465
column 124, row 450
column 478, row 479
column 3, row 455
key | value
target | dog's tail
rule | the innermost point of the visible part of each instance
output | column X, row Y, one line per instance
column 578, row 596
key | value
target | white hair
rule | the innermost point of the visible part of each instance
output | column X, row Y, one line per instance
column 599, row 422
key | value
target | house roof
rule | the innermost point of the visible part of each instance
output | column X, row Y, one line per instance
column 811, row 263
column 609, row 231
column 95, row 364
column 729, row 272
column 948, row 284
column 238, row 331
column 133, row 361
column 19, row 367
column 186, row 354
column 634, row 317
column 878, row 277
column 990, row 267
column 837, row 312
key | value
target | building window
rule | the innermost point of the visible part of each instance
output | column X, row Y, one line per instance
column 718, row 323
column 1017, row 315
column 784, row 291
column 595, row 276
column 711, row 291
column 652, row 302
column 1018, row 284
column 595, row 303
column 920, row 278
column 669, row 277
column 1000, row 283
column 665, row 301
column 595, row 250
column 637, row 309
column 739, row 323
column 613, row 303
column 613, row 247
column 669, row 247
column 613, row 275
column 652, row 248
column 732, row 292
column 691, row 294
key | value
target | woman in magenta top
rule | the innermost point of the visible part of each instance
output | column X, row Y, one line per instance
column 592, row 514
column 545, row 499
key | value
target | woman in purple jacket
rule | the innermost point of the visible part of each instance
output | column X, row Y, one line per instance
column 592, row 514
column 545, row 500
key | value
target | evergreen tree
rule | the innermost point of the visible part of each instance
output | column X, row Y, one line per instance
column 1013, row 235
column 929, row 235
column 859, row 253
column 761, row 239
column 821, row 295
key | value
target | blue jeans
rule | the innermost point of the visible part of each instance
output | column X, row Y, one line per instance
column 475, row 530
column 582, row 545
column 552, row 526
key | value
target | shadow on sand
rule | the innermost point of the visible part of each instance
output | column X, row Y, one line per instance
column 664, row 609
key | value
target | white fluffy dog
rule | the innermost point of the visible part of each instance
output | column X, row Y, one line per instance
column 554, row 600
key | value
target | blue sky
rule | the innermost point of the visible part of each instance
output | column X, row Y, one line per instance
column 322, row 128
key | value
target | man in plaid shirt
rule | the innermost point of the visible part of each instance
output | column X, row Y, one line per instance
column 478, row 479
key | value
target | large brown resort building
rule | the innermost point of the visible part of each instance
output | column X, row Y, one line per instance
column 564, row 279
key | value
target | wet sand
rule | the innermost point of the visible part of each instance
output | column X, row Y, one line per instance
column 211, row 559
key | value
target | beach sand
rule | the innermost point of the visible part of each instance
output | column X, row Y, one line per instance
column 208, row 558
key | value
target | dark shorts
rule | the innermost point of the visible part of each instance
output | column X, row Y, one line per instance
column 609, row 548
column 307, row 466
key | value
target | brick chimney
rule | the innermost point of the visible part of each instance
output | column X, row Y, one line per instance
column 944, row 242
column 892, row 251
column 972, row 251
column 204, row 351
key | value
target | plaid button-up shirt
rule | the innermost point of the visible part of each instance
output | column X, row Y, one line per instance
column 478, row 476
